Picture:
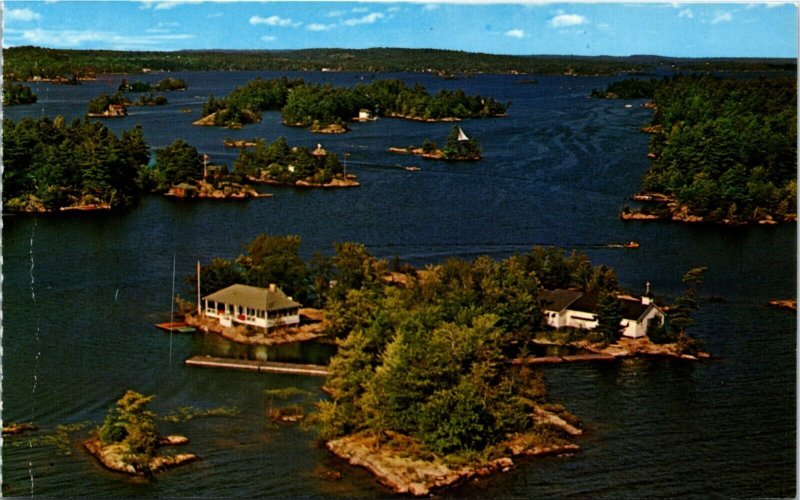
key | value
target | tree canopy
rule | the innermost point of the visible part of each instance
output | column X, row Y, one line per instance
column 281, row 163
column 51, row 164
column 726, row 148
column 16, row 93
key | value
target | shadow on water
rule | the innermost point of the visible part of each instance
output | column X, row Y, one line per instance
column 314, row 353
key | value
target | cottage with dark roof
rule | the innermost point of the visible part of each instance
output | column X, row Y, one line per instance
column 254, row 306
column 576, row 309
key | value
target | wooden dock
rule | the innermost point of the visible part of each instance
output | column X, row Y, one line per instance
column 176, row 327
column 555, row 360
column 257, row 366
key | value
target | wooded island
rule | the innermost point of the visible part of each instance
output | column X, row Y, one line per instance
column 430, row 386
column 723, row 150
column 327, row 109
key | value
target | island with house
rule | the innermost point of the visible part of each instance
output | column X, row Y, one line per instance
column 484, row 404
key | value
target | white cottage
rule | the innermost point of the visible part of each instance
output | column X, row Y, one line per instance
column 575, row 309
column 254, row 306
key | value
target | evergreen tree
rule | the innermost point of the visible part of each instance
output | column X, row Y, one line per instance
column 609, row 316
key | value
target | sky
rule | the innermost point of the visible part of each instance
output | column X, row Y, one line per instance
column 617, row 29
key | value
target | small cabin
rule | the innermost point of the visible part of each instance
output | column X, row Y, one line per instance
column 364, row 114
column 254, row 306
column 575, row 309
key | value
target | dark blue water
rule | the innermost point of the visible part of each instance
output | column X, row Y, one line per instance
column 82, row 291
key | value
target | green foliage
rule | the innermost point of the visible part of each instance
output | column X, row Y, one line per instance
column 245, row 103
column 306, row 105
column 169, row 84
column 680, row 313
column 100, row 104
column 137, row 86
column 130, row 423
column 728, row 148
column 658, row 333
column 186, row 413
column 633, row 88
column 395, row 98
column 178, row 162
column 26, row 62
column 60, row 437
column 279, row 163
column 15, row 93
column 609, row 317
column 275, row 259
column 556, row 270
column 62, row 164
column 287, row 392
column 455, row 149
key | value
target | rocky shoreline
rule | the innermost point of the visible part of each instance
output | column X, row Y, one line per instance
column 252, row 336
column 790, row 304
column 337, row 182
column 33, row 205
column 205, row 190
column 676, row 212
column 436, row 154
column 389, row 459
column 18, row 428
column 113, row 456
column 622, row 348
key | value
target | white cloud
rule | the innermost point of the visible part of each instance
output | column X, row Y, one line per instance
column 567, row 20
column 515, row 33
column 21, row 15
column 722, row 17
column 431, row 6
column 335, row 13
column 368, row 19
column 272, row 21
column 165, row 4
column 214, row 15
column 772, row 5
column 603, row 26
column 319, row 27
column 268, row 38
column 359, row 10
column 76, row 38
column 687, row 13
column 393, row 9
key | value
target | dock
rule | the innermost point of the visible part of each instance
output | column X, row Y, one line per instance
column 554, row 360
column 258, row 366
column 176, row 327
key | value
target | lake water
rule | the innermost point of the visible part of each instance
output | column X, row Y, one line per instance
column 82, row 291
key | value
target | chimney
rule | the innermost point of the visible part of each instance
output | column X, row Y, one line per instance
column 647, row 298
column 272, row 287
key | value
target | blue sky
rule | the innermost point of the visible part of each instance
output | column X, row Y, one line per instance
column 669, row 29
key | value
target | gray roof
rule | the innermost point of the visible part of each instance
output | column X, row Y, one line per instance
column 559, row 299
column 253, row 297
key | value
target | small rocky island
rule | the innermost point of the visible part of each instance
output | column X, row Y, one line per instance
column 458, row 147
column 282, row 165
column 128, row 442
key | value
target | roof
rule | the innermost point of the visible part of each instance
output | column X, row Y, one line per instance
column 634, row 309
column 559, row 299
column 253, row 297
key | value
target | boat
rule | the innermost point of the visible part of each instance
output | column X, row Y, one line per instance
column 631, row 244
column 412, row 168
